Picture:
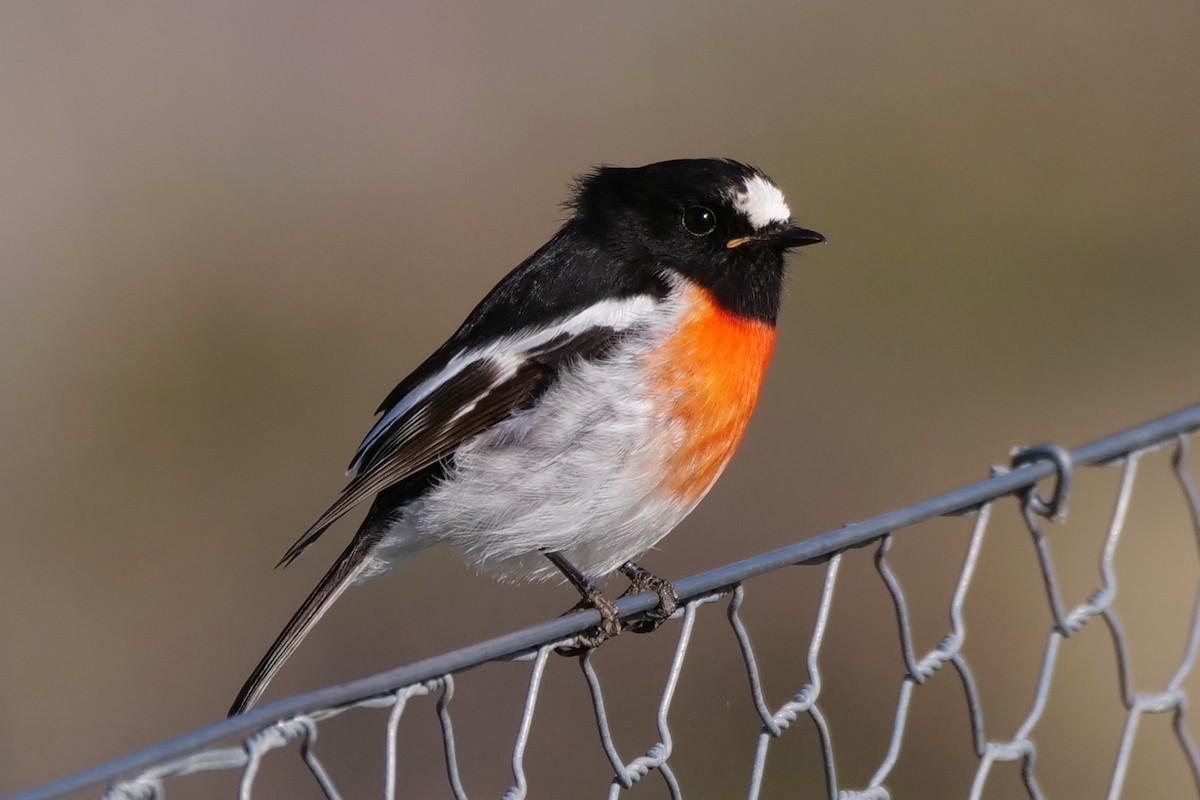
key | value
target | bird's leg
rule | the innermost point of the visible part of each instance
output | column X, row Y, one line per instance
column 610, row 620
column 641, row 580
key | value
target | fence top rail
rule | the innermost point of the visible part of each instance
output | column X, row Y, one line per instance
column 1150, row 434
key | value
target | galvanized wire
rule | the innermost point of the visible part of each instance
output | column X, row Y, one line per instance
column 295, row 722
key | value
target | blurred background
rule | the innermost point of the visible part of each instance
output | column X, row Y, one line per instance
column 228, row 229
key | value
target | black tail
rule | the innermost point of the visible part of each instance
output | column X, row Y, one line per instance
column 336, row 580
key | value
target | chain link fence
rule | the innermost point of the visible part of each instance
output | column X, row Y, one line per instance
column 294, row 723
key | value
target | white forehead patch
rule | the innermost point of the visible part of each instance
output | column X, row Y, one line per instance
column 761, row 202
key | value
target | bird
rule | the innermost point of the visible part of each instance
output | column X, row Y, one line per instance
column 585, row 406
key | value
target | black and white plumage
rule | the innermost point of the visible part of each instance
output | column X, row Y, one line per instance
column 547, row 423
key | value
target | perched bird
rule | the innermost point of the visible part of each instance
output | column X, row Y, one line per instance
column 586, row 405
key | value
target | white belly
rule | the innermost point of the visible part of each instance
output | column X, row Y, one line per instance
column 579, row 473
column 604, row 465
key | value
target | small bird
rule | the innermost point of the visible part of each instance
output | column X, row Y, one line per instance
column 586, row 405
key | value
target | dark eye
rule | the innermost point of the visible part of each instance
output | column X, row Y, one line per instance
column 699, row 221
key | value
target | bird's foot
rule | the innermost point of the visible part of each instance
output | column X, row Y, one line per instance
column 610, row 624
column 641, row 580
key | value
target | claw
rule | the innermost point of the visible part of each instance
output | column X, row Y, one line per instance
column 610, row 618
column 642, row 580
column 610, row 624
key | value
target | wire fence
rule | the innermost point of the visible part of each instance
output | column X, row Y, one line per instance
column 294, row 723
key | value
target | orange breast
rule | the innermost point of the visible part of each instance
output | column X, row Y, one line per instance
column 708, row 374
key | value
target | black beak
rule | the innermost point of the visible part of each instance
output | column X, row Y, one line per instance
column 789, row 236
column 781, row 235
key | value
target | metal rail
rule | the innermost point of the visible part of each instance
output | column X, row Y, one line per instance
column 1029, row 467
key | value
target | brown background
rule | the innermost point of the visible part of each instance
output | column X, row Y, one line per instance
column 226, row 230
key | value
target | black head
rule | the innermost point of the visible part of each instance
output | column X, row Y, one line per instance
column 720, row 223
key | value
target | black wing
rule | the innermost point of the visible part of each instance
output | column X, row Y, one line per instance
column 482, row 393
